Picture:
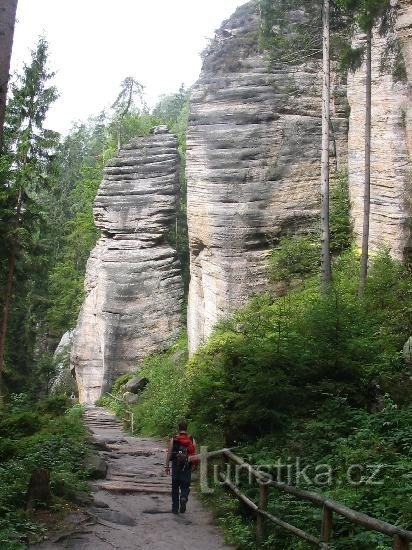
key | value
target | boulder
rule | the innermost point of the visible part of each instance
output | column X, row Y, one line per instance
column 130, row 398
column 136, row 385
column 96, row 467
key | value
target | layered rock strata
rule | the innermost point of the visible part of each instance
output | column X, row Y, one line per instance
column 133, row 283
column 390, row 147
column 404, row 33
column 253, row 165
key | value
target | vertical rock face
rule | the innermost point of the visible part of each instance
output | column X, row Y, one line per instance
column 404, row 32
column 133, row 283
column 390, row 156
column 253, row 165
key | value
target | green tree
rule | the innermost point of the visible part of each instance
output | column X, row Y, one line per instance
column 30, row 148
column 130, row 91
column 7, row 22
column 325, row 168
column 366, row 15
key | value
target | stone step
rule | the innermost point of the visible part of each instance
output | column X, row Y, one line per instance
column 122, row 488
column 138, row 482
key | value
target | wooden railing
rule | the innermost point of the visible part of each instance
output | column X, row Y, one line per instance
column 401, row 537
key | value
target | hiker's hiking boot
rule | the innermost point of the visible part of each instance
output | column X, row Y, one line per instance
column 183, row 501
column 174, row 511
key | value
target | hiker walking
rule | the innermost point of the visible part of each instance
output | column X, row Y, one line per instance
column 181, row 447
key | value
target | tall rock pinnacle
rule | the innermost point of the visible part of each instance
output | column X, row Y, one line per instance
column 133, row 284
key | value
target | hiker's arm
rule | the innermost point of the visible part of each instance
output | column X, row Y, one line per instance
column 169, row 456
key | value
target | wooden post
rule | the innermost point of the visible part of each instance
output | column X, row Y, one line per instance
column 326, row 528
column 400, row 544
column 260, row 520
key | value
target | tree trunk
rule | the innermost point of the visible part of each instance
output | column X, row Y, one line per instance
column 367, row 190
column 7, row 21
column 11, row 264
column 38, row 493
column 324, row 208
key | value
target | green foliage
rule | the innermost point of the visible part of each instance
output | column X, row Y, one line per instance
column 27, row 173
column 55, row 405
column 307, row 376
column 165, row 401
column 340, row 220
column 291, row 30
column 35, row 439
column 366, row 11
column 295, row 257
column 19, row 424
column 366, row 14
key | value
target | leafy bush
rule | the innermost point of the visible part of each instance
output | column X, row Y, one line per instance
column 19, row 424
column 55, row 405
column 58, row 444
column 295, row 257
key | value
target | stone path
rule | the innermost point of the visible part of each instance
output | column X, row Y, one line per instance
column 132, row 506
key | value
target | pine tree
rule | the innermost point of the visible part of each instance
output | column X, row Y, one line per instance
column 130, row 91
column 367, row 13
column 29, row 148
column 7, row 22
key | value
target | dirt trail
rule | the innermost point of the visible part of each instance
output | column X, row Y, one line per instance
column 132, row 506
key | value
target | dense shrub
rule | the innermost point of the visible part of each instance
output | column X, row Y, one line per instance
column 295, row 257
column 36, row 440
column 19, row 424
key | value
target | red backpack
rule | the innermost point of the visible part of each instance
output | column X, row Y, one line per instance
column 183, row 448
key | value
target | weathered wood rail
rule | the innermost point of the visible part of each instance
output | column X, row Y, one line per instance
column 401, row 537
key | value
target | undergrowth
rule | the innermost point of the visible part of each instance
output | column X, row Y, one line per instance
column 49, row 435
column 308, row 377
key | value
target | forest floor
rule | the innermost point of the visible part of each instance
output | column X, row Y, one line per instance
column 132, row 507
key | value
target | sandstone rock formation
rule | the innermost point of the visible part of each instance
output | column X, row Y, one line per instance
column 391, row 155
column 253, row 165
column 133, row 284
column 404, row 32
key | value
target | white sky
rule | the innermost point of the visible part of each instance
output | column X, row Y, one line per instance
column 95, row 44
